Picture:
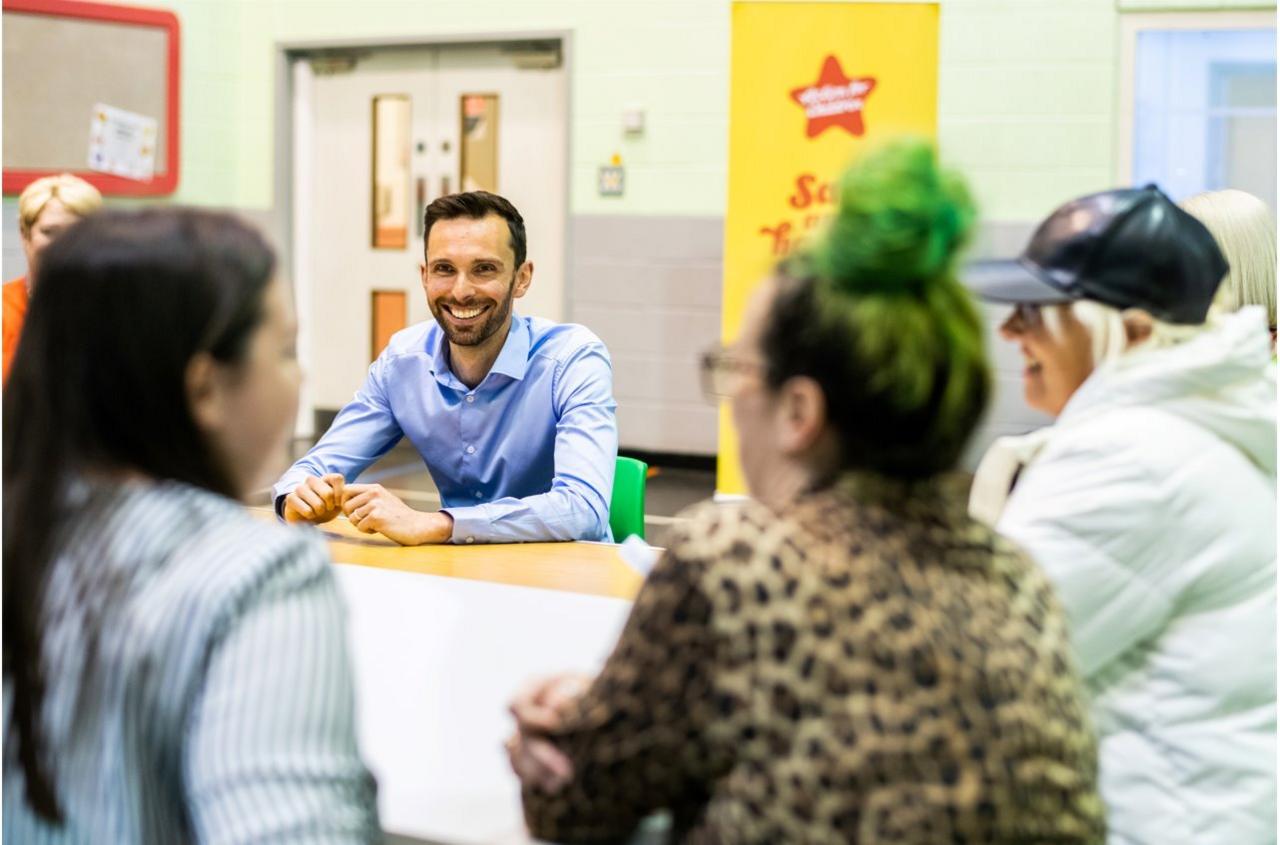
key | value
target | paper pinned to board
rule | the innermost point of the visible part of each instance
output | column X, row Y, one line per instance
column 638, row 554
column 122, row 143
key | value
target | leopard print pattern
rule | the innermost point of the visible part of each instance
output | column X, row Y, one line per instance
column 869, row 665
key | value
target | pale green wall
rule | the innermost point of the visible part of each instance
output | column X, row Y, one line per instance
column 670, row 56
column 1026, row 100
column 1191, row 5
column 1026, row 103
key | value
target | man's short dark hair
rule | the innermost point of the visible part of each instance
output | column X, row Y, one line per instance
column 477, row 205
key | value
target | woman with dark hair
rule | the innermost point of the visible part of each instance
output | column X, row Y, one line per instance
column 174, row 670
column 848, row 657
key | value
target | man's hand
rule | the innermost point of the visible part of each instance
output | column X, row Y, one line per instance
column 370, row 507
column 539, row 708
column 315, row 499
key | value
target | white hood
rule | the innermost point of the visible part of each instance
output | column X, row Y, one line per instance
column 1223, row 380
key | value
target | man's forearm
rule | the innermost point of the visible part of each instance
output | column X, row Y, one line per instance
column 561, row 514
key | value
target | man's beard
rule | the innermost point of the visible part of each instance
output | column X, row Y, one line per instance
column 475, row 335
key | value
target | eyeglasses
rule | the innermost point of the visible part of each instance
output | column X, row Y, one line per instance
column 723, row 371
column 1024, row 316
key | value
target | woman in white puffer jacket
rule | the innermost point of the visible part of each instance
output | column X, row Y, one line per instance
column 1151, row 503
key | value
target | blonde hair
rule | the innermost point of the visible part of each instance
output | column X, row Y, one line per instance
column 1245, row 231
column 1110, row 340
column 79, row 197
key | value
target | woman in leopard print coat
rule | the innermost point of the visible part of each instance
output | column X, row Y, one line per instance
column 849, row 657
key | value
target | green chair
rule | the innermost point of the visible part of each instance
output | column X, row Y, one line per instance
column 626, row 507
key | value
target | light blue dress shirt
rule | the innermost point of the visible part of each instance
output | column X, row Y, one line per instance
column 528, row 454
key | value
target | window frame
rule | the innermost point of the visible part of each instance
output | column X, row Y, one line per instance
column 1132, row 23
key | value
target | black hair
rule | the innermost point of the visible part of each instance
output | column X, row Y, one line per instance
column 873, row 312
column 477, row 205
column 120, row 304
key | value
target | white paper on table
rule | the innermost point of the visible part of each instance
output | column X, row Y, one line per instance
column 122, row 143
column 638, row 554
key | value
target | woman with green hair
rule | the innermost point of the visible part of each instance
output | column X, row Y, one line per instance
column 847, row 657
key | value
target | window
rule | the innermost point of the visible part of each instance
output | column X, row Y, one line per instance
column 1201, row 102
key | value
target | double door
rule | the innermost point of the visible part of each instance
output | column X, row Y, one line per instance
column 379, row 133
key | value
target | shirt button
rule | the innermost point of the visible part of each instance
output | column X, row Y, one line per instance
column 471, row 397
column 471, row 450
column 471, row 539
column 479, row 495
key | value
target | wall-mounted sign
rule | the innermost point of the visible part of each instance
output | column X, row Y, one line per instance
column 122, row 143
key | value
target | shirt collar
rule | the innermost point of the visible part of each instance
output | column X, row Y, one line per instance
column 438, row 346
column 512, row 361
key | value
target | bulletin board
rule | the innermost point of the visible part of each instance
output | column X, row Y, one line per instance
column 62, row 59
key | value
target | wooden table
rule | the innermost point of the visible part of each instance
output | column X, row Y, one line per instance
column 441, row 637
column 594, row 569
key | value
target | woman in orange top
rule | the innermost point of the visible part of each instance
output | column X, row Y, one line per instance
column 45, row 208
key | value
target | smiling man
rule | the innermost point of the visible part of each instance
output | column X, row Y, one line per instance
column 514, row 416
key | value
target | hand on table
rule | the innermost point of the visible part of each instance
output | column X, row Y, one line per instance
column 539, row 708
column 371, row 507
column 315, row 500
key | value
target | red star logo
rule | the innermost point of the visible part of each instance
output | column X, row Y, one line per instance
column 834, row 100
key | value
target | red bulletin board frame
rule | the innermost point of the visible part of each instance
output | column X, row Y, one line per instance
column 15, row 179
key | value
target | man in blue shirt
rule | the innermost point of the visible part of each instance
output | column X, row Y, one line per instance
column 514, row 416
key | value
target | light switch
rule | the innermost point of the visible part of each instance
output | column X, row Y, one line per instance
column 633, row 120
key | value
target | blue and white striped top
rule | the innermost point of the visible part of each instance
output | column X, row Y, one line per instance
column 197, row 681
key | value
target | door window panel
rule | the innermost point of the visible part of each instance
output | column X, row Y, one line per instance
column 391, row 115
column 390, row 314
column 479, row 142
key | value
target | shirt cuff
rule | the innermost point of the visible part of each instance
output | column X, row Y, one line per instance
column 470, row 524
column 284, row 487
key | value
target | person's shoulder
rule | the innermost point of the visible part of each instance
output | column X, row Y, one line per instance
column 1125, row 443
column 418, row 339
column 1114, row 484
column 237, row 550
column 735, row 530
column 561, row 341
column 1103, row 435
column 15, row 292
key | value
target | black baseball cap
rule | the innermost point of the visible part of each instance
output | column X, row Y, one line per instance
column 1128, row 248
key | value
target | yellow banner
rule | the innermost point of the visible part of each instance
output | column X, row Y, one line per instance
column 812, row 85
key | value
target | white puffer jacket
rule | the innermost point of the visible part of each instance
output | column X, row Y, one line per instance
column 1151, row 503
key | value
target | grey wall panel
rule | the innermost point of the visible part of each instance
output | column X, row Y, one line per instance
column 650, row 287
column 692, row 426
column 621, row 237
column 14, row 261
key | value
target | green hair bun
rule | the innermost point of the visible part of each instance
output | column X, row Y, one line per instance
column 900, row 222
